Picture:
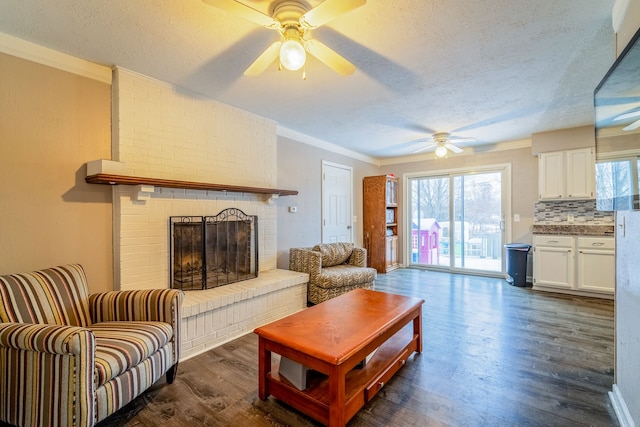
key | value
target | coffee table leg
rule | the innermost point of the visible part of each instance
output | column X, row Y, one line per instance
column 337, row 392
column 417, row 329
column 264, row 367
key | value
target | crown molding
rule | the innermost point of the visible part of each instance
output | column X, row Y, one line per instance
column 42, row 55
column 316, row 142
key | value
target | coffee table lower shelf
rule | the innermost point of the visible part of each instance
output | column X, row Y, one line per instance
column 361, row 384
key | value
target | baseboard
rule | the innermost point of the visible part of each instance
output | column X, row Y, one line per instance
column 622, row 412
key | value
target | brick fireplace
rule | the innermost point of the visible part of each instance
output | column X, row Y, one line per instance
column 163, row 132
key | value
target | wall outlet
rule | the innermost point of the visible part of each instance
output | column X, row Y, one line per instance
column 516, row 217
column 293, row 209
column 570, row 217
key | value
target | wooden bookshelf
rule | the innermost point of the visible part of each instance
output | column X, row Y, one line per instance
column 380, row 211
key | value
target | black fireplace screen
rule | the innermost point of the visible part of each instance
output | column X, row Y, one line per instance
column 211, row 251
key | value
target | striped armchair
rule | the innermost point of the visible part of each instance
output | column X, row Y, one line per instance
column 72, row 359
column 333, row 268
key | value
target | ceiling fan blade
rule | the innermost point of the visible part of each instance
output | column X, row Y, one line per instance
column 462, row 139
column 245, row 11
column 264, row 60
column 326, row 11
column 453, row 148
column 329, row 57
column 420, row 140
column 627, row 116
column 428, row 147
column 633, row 126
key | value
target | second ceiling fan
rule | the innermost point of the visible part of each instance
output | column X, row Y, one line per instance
column 294, row 22
column 443, row 142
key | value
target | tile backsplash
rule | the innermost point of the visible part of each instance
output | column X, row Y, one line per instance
column 559, row 212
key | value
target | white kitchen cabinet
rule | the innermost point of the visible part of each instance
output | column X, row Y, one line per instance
column 596, row 264
column 566, row 175
column 553, row 261
column 551, row 178
column 574, row 264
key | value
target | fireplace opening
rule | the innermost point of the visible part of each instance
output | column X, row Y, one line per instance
column 211, row 251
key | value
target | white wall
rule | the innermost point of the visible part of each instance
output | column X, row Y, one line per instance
column 626, row 393
column 160, row 131
column 627, row 387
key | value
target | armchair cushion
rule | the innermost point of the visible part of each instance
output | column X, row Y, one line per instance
column 334, row 253
column 345, row 275
column 122, row 345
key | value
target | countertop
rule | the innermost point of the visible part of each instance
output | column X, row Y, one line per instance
column 574, row 229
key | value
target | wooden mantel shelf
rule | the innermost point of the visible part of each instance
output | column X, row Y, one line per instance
column 108, row 179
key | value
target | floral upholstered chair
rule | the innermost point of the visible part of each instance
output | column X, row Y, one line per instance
column 333, row 268
column 69, row 358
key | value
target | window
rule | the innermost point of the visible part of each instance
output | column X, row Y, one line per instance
column 616, row 183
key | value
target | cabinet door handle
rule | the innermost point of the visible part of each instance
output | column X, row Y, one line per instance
column 552, row 241
column 597, row 244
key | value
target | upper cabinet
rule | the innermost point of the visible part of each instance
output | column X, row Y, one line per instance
column 567, row 175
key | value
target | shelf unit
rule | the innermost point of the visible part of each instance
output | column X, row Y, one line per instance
column 380, row 216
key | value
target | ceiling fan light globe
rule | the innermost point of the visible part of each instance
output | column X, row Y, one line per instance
column 441, row 151
column 292, row 54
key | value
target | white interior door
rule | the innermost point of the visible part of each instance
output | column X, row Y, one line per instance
column 337, row 205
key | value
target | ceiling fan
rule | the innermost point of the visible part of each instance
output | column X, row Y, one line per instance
column 293, row 20
column 442, row 142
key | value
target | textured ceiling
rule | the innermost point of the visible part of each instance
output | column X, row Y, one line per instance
column 494, row 70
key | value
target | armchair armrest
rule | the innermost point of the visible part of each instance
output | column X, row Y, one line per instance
column 358, row 257
column 58, row 360
column 151, row 305
column 305, row 260
column 42, row 338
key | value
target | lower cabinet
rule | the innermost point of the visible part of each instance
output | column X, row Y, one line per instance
column 553, row 261
column 582, row 265
column 391, row 261
column 596, row 264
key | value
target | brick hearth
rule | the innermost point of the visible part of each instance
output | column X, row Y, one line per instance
column 215, row 316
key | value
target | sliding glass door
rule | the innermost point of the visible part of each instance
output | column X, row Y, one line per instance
column 457, row 220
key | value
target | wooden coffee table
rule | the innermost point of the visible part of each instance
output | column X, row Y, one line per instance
column 333, row 337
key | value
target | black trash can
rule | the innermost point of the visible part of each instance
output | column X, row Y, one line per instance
column 517, row 263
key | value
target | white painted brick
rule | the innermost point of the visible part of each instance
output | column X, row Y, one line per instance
column 167, row 133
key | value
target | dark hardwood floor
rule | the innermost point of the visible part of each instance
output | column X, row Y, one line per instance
column 494, row 355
